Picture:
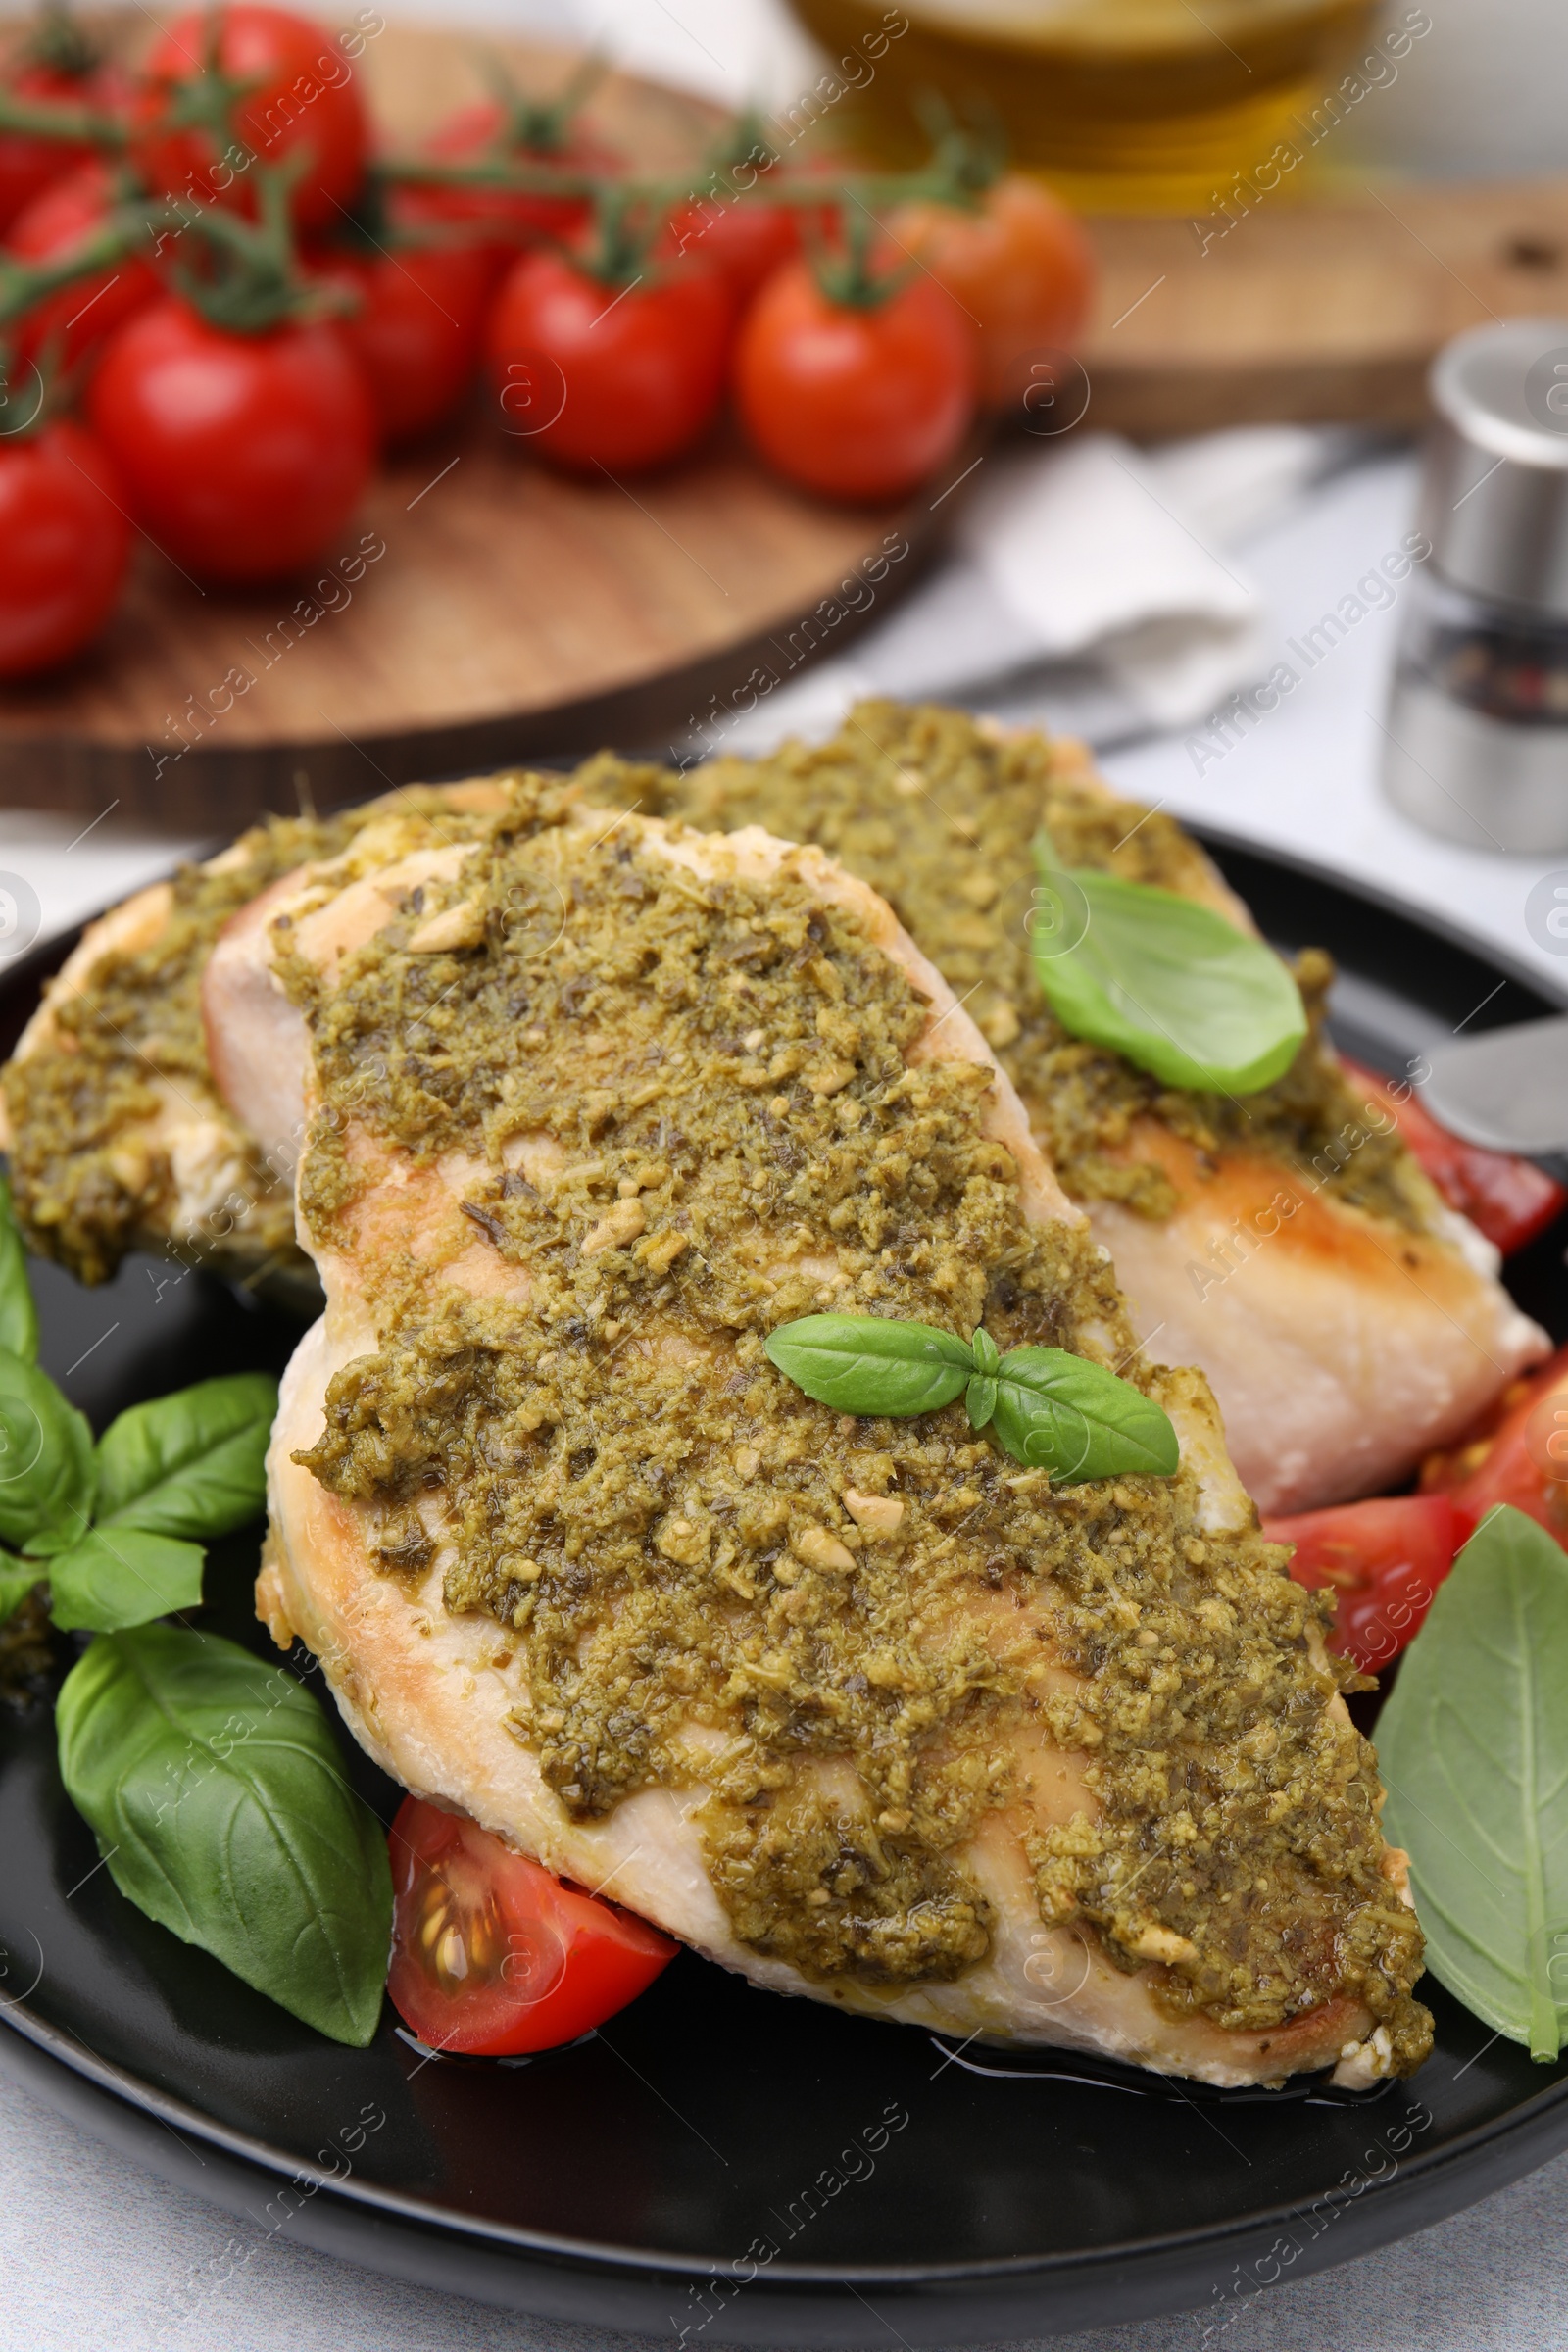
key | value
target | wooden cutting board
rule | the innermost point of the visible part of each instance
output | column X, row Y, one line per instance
column 1329, row 307
column 482, row 608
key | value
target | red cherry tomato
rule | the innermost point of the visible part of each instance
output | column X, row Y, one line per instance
column 244, row 455
column 29, row 165
column 1385, row 1559
column 746, row 240
column 419, row 329
column 1510, row 1201
column 1517, row 1454
column 491, row 1954
column 81, row 317
column 1019, row 267
column 66, row 540
column 855, row 402
column 506, row 220
column 304, row 95
column 592, row 375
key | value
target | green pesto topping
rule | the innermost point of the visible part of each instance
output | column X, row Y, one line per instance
column 126, row 1057
column 941, row 818
column 841, row 1626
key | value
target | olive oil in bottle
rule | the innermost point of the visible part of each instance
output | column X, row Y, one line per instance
column 1123, row 105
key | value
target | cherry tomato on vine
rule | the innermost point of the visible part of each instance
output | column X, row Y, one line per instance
column 81, row 317
column 1020, row 270
column 510, row 219
column 417, row 331
column 745, row 239
column 857, row 400
column 1385, row 1559
column 29, row 165
column 598, row 375
column 491, row 1954
column 243, row 455
column 1510, row 1201
column 303, row 96
column 66, row 543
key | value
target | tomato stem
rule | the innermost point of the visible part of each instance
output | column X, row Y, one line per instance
column 72, row 126
column 539, row 126
column 250, row 280
column 58, row 41
column 23, row 283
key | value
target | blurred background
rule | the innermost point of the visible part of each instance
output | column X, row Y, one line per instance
column 1192, row 532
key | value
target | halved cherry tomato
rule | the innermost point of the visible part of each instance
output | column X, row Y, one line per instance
column 491, row 1954
column 1510, row 1201
column 419, row 328
column 855, row 400
column 1020, row 270
column 1385, row 1559
column 65, row 541
column 80, row 316
column 303, row 96
column 1518, row 1453
column 244, row 455
column 596, row 376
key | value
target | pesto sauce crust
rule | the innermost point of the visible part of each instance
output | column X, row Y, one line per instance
column 939, row 815
column 89, row 1173
column 614, row 1472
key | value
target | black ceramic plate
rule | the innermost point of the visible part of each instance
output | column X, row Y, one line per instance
column 720, row 2161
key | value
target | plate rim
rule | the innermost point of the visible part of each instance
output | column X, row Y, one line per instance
column 396, row 2204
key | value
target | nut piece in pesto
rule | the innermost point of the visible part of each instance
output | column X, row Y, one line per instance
column 938, row 1761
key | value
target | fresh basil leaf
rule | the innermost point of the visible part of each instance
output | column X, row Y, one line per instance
column 217, row 1795
column 120, row 1575
column 986, row 1354
column 872, row 1364
column 1172, row 986
column 1473, row 1750
column 46, row 1461
column 189, row 1464
column 17, row 1580
column 1076, row 1419
column 19, row 1316
column 980, row 1402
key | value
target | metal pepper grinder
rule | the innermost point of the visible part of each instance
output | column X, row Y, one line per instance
column 1477, row 741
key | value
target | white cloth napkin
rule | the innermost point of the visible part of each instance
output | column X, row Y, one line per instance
column 1088, row 583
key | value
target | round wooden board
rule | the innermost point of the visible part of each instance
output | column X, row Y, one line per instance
column 482, row 608
column 1329, row 307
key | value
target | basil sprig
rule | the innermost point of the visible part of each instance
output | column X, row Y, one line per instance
column 1473, row 1750
column 1050, row 1411
column 210, row 1781
column 1166, row 983
column 215, row 1791
column 118, row 1529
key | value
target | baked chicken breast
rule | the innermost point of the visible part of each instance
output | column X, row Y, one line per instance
column 1288, row 1244
column 858, row 1707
